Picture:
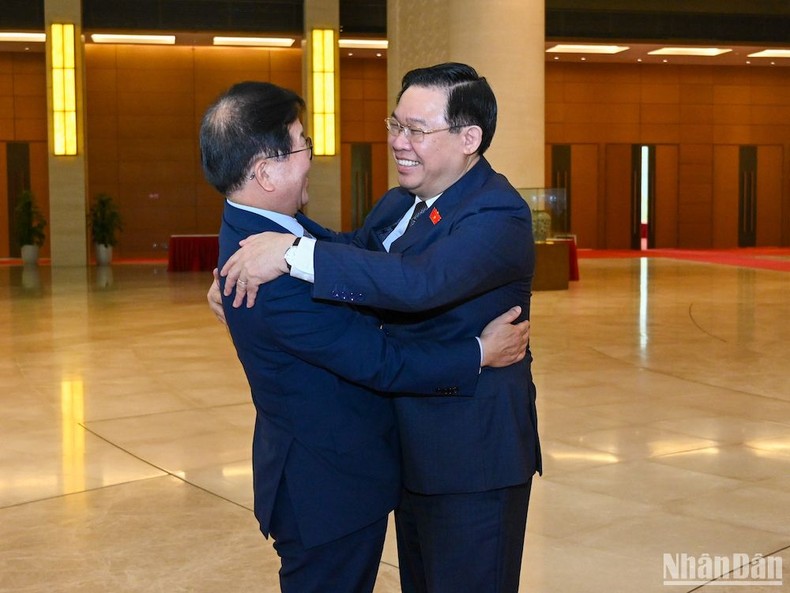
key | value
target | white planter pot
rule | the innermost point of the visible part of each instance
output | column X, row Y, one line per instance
column 103, row 254
column 30, row 255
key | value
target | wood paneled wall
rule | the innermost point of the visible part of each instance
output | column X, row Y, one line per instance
column 363, row 96
column 23, row 118
column 694, row 108
column 144, row 109
column 145, row 103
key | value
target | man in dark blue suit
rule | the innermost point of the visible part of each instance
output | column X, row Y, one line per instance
column 467, row 466
column 325, row 448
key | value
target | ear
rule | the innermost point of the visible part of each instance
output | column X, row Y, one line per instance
column 472, row 136
column 263, row 176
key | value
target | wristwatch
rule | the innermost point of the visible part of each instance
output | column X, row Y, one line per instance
column 290, row 253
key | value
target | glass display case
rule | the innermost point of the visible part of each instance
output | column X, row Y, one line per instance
column 550, row 216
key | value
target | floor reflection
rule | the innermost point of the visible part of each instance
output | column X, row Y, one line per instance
column 126, row 426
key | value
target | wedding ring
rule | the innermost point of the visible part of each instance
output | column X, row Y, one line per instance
column 241, row 282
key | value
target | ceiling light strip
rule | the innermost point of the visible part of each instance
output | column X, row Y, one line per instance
column 133, row 39
column 19, row 36
column 255, row 41
column 689, row 51
column 586, row 49
column 363, row 43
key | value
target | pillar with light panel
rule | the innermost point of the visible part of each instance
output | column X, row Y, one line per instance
column 64, row 89
column 323, row 79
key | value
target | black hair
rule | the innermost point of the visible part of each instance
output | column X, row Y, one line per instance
column 470, row 100
column 247, row 122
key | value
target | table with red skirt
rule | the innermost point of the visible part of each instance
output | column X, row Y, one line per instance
column 192, row 253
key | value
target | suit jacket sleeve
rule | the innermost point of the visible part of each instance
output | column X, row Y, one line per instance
column 353, row 345
column 484, row 248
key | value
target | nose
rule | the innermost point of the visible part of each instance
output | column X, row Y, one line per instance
column 399, row 142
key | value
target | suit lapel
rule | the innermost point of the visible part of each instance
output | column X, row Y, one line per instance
column 416, row 233
column 441, row 212
column 389, row 218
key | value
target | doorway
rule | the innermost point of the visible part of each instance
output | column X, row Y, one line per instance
column 643, row 196
column 18, row 167
column 747, row 196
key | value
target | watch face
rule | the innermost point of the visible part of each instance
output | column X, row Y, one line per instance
column 289, row 253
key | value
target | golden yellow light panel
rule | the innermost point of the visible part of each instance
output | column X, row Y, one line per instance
column 323, row 103
column 64, row 90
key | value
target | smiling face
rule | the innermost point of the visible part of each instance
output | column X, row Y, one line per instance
column 428, row 166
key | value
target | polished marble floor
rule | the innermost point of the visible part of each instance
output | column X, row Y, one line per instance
column 664, row 399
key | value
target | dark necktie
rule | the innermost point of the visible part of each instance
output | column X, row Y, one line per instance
column 418, row 209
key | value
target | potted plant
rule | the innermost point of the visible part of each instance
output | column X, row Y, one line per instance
column 105, row 221
column 29, row 224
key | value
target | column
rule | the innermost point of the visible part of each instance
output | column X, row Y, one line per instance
column 504, row 41
column 324, row 205
column 67, row 174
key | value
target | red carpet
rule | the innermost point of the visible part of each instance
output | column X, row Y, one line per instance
column 763, row 258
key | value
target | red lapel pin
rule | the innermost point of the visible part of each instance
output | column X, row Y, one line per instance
column 435, row 216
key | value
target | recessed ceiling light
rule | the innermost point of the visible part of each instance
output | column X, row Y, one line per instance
column 255, row 41
column 688, row 51
column 363, row 43
column 141, row 39
column 23, row 37
column 771, row 53
column 586, row 49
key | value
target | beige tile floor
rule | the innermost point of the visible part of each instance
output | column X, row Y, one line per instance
column 664, row 394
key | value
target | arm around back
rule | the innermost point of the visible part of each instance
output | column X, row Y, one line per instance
column 351, row 344
column 478, row 252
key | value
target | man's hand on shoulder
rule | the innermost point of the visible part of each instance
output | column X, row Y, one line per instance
column 260, row 259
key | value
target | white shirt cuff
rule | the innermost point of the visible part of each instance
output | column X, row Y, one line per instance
column 302, row 264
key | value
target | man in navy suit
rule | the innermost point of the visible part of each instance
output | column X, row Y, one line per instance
column 467, row 466
column 325, row 447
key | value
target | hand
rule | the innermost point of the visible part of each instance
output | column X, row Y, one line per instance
column 260, row 259
column 503, row 342
column 214, row 298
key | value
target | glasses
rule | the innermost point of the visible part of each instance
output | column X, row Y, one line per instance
column 308, row 141
column 394, row 127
